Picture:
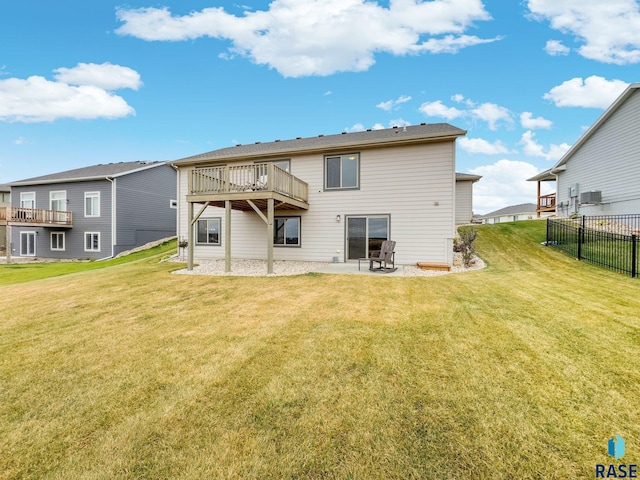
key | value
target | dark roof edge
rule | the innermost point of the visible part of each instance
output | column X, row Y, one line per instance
column 467, row 177
column 84, row 179
column 451, row 135
column 545, row 176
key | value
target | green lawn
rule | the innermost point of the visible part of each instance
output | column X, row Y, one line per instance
column 521, row 370
column 27, row 272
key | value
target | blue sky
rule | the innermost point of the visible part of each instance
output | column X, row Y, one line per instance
column 100, row 81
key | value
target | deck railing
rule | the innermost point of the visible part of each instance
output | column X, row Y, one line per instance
column 247, row 178
column 35, row 216
column 547, row 202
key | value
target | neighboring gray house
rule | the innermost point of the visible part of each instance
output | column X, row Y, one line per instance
column 513, row 213
column 600, row 174
column 325, row 198
column 92, row 212
column 5, row 201
column 464, row 197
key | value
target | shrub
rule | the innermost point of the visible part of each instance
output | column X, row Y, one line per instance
column 464, row 244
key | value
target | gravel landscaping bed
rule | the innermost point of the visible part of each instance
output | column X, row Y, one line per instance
column 258, row 268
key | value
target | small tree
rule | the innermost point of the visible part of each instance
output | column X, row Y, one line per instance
column 464, row 244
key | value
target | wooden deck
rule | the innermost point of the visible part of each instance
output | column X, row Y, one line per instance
column 546, row 203
column 239, row 184
column 261, row 187
column 34, row 217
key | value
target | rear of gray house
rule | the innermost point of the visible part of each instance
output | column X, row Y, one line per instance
column 326, row 198
column 92, row 212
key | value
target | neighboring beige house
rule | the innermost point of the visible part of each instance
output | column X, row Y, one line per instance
column 5, row 201
column 513, row 213
column 600, row 174
column 326, row 198
column 464, row 197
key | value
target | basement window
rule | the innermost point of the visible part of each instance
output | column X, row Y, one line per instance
column 208, row 231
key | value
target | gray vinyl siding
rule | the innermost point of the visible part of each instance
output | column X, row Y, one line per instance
column 74, row 237
column 464, row 208
column 143, row 211
column 608, row 161
column 414, row 185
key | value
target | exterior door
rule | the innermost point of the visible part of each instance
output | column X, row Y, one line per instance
column 58, row 201
column 365, row 234
column 28, row 244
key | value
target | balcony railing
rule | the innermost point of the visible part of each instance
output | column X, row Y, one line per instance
column 547, row 203
column 266, row 177
column 35, row 216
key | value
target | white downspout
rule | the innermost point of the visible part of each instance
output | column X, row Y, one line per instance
column 113, row 216
column 177, row 207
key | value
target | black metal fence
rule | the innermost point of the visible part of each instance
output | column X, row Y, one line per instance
column 610, row 241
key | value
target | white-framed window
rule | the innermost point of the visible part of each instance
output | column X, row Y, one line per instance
column 286, row 231
column 58, row 200
column 342, row 172
column 27, row 199
column 27, row 244
column 173, row 203
column 57, row 241
column 91, row 204
column 91, row 241
column 208, row 231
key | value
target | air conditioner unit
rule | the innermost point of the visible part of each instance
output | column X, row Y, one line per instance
column 594, row 196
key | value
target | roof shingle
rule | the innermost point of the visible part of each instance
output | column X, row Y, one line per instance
column 422, row 132
column 99, row 171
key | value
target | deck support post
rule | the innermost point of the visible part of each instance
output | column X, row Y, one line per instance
column 539, row 206
column 190, row 238
column 270, row 214
column 227, row 236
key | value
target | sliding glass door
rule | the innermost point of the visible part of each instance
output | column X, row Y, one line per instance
column 27, row 244
column 365, row 234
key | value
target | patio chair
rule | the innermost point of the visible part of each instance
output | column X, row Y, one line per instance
column 384, row 258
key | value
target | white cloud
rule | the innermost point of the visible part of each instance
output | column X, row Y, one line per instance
column 555, row 48
column 504, row 183
column 492, row 114
column 487, row 112
column 608, row 30
column 389, row 104
column 327, row 93
column 593, row 92
column 479, row 145
column 37, row 99
column 534, row 149
column 106, row 76
column 357, row 127
column 438, row 109
column 527, row 121
column 399, row 122
column 309, row 37
column 20, row 141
